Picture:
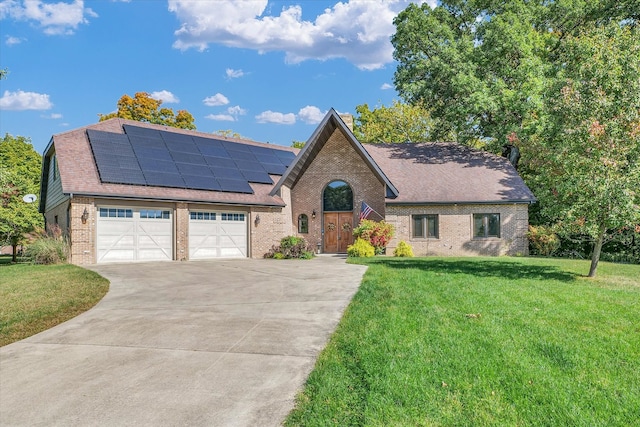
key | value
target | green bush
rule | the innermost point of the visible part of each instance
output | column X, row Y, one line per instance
column 291, row 247
column 378, row 234
column 48, row 248
column 543, row 240
column 361, row 248
column 403, row 250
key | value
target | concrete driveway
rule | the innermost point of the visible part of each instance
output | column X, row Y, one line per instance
column 212, row 343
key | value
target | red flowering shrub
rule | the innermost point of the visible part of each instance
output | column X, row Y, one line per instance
column 377, row 233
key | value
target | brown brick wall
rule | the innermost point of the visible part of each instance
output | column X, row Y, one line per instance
column 82, row 236
column 275, row 223
column 337, row 160
column 456, row 230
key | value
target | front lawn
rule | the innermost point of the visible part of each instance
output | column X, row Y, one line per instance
column 482, row 342
column 34, row 298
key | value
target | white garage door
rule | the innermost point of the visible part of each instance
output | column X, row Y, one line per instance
column 126, row 234
column 217, row 235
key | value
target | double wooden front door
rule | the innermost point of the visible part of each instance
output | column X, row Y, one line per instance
column 338, row 231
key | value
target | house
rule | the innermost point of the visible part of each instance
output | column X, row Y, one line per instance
column 130, row 191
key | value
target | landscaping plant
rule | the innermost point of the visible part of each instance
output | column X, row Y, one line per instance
column 377, row 233
column 361, row 248
column 291, row 247
column 403, row 250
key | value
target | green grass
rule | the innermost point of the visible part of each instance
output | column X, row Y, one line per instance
column 482, row 342
column 34, row 298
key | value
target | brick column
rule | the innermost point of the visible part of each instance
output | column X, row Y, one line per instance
column 182, row 232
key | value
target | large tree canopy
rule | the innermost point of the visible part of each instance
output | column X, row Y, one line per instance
column 588, row 155
column 143, row 108
column 398, row 123
column 480, row 66
column 19, row 175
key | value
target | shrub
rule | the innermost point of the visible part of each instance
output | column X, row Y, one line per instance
column 291, row 247
column 361, row 248
column 403, row 250
column 378, row 234
column 543, row 240
column 48, row 247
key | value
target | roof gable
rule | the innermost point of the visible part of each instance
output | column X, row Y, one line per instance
column 318, row 139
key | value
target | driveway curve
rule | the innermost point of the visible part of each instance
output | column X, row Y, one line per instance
column 207, row 343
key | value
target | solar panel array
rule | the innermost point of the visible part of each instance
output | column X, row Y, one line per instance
column 146, row 156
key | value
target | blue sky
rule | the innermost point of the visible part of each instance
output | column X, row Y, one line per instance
column 268, row 70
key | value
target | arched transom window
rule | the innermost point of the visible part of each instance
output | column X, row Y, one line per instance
column 337, row 197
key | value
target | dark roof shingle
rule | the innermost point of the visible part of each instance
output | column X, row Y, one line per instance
column 437, row 173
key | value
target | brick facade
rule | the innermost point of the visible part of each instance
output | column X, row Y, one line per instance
column 456, row 230
column 337, row 160
column 82, row 236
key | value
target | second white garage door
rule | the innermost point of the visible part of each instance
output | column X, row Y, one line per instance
column 217, row 235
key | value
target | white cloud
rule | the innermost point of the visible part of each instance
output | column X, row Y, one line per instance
column 275, row 117
column 357, row 30
column 54, row 18
column 234, row 74
column 10, row 40
column 386, row 86
column 19, row 101
column 221, row 117
column 231, row 115
column 311, row 115
column 215, row 100
column 165, row 96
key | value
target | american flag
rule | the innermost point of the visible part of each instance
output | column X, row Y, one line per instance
column 365, row 210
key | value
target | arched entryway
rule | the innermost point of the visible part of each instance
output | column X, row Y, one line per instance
column 337, row 207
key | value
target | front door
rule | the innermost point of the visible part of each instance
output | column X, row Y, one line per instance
column 338, row 231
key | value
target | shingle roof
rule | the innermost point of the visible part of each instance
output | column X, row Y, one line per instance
column 435, row 173
column 79, row 174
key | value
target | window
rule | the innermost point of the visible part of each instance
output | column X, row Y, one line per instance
column 425, row 226
column 54, row 167
column 232, row 217
column 337, row 197
column 115, row 213
column 154, row 213
column 202, row 216
column 303, row 223
column 486, row 225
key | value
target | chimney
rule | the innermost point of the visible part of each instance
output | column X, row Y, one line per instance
column 348, row 120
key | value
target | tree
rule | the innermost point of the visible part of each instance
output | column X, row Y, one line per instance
column 481, row 66
column 298, row 144
column 398, row 123
column 3, row 73
column 19, row 175
column 589, row 152
column 143, row 108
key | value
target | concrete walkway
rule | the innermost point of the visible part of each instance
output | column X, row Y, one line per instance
column 212, row 343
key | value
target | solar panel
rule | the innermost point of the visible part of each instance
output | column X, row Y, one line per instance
column 141, row 131
column 274, row 169
column 154, row 165
column 198, row 182
column 285, row 156
column 163, row 179
column 157, row 153
column 172, row 159
column 249, row 166
column 141, row 141
column 258, row 177
column 229, row 173
column 234, row 185
column 195, row 159
column 237, row 146
column 219, row 162
column 241, row 155
column 182, row 147
column 267, row 158
column 189, row 169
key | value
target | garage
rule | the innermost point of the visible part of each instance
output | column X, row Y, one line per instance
column 134, row 234
column 214, row 234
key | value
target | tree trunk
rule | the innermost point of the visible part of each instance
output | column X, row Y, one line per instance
column 597, row 248
column 14, row 258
